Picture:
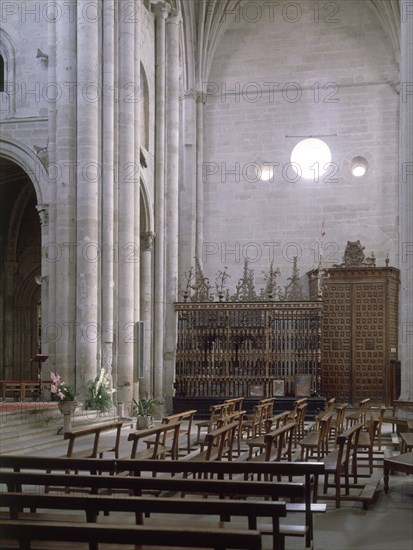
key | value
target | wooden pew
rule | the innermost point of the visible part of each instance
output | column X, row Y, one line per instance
column 142, row 507
column 95, row 430
column 252, row 509
column 26, row 532
column 306, row 470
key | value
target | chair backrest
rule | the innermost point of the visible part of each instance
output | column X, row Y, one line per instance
column 339, row 419
column 235, row 403
column 347, row 443
column 363, row 407
column 279, row 442
column 300, row 418
column 324, row 425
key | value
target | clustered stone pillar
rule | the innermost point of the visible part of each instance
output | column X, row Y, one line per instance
column 147, row 242
column 128, row 183
column 108, row 164
column 49, row 314
column 61, row 252
column 171, row 192
column 161, row 13
column 406, row 200
column 88, row 179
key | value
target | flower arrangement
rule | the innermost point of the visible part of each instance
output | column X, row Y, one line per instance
column 60, row 389
column 99, row 393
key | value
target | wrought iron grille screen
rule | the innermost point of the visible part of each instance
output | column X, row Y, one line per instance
column 242, row 349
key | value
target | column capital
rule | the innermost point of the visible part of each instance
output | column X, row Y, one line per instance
column 161, row 9
column 43, row 211
column 198, row 96
column 147, row 240
column 174, row 17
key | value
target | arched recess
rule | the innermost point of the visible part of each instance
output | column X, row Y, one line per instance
column 20, row 253
column 7, row 51
column 144, row 109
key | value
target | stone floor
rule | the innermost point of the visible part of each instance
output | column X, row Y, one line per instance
column 387, row 524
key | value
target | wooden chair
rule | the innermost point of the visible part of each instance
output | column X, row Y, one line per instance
column 277, row 421
column 337, row 463
column 184, row 443
column 216, row 412
column 254, row 425
column 366, row 443
column 382, row 421
column 316, row 440
column 337, row 422
column 238, row 417
column 279, row 443
column 359, row 415
column 235, row 403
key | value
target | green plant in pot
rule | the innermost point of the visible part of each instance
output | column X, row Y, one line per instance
column 144, row 410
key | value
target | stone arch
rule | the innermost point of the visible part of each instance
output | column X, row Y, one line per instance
column 20, row 293
column 28, row 161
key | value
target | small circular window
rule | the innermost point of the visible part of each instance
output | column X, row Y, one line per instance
column 311, row 158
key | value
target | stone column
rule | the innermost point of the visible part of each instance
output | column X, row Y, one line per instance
column 406, row 200
column 49, row 315
column 108, row 173
column 136, row 256
column 88, row 179
column 188, row 186
column 161, row 13
column 43, row 211
column 171, row 195
column 63, row 252
column 200, row 107
column 147, row 242
column 128, row 180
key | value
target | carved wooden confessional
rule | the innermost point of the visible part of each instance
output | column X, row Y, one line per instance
column 359, row 329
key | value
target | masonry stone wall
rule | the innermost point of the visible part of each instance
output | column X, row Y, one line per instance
column 283, row 73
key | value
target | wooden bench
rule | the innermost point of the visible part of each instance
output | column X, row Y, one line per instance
column 165, row 442
column 307, row 470
column 184, row 440
column 219, row 489
column 95, row 430
column 26, row 532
